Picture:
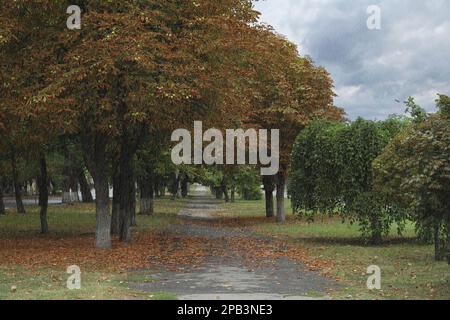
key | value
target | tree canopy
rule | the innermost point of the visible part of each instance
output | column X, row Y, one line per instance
column 135, row 71
column 414, row 171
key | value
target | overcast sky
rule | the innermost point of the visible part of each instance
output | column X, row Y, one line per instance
column 409, row 56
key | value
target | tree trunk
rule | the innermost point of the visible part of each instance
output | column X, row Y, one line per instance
column 233, row 194
column 85, row 189
column 179, row 187
column 281, row 182
column 219, row 193
column 226, row 195
column 156, row 187
column 376, row 237
column 17, row 186
column 175, row 184
column 146, row 186
column 162, row 189
column 70, row 186
column 448, row 238
column 437, row 244
column 269, row 187
column 184, row 188
column 447, row 248
column 43, row 193
column 103, row 219
column 133, row 207
column 2, row 204
column 115, row 218
column 225, row 189
column 146, row 201
column 95, row 153
column 73, row 183
column 127, row 190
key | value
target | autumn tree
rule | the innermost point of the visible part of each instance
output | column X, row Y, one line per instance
column 26, row 53
column 136, row 65
column 290, row 91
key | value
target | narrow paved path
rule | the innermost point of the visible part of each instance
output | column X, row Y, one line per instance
column 229, row 272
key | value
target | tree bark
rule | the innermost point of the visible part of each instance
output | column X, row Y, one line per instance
column 17, row 186
column 175, row 184
column 2, row 204
column 226, row 195
column 85, row 189
column 70, row 186
column 377, row 237
column 146, row 185
column 437, row 244
column 269, row 187
column 281, row 182
column 448, row 239
column 233, row 194
column 73, row 183
column 103, row 219
column 95, row 153
column 224, row 189
column 43, row 193
column 218, row 192
column 127, row 190
column 184, row 187
column 162, row 189
column 133, row 207
column 115, row 218
column 156, row 186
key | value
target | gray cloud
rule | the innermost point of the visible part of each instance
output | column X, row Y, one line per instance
column 409, row 56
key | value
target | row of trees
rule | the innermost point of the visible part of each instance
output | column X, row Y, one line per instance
column 116, row 89
column 378, row 172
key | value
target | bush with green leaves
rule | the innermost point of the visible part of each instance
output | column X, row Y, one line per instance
column 414, row 172
column 331, row 173
column 312, row 181
column 248, row 183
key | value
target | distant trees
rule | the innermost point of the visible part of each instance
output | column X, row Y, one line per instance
column 248, row 183
column 290, row 93
column 414, row 172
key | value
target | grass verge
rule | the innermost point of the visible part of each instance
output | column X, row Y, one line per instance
column 42, row 275
column 408, row 269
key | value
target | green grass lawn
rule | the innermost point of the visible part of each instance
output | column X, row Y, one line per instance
column 17, row 282
column 408, row 269
column 80, row 219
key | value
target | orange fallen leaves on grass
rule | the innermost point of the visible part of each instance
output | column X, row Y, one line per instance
column 146, row 250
